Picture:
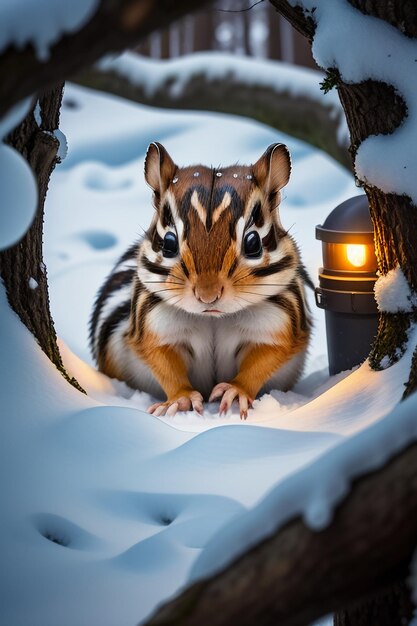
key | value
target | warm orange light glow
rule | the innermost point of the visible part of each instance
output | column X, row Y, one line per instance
column 356, row 254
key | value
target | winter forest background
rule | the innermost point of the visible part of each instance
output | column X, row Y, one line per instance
column 243, row 28
column 114, row 517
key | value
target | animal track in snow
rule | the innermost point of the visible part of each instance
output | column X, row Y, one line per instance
column 165, row 509
column 98, row 239
column 187, row 522
column 102, row 178
column 63, row 532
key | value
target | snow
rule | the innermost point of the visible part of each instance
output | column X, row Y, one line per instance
column 63, row 146
column 175, row 74
column 393, row 293
column 107, row 511
column 18, row 201
column 62, row 140
column 57, row 133
column 363, row 47
column 18, row 189
column 314, row 492
column 32, row 283
column 44, row 24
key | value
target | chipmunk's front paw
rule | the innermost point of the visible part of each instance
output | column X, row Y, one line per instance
column 229, row 393
column 183, row 401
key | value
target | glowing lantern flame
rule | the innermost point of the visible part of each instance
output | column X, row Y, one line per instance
column 356, row 254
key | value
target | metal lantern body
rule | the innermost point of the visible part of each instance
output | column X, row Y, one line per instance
column 346, row 283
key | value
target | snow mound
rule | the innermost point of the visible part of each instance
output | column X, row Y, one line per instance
column 393, row 293
column 314, row 492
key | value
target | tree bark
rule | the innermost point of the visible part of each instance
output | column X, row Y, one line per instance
column 390, row 607
column 299, row 116
column 116, row 25
column 24, row 260
column 298, row 575
column 381, row 110
column 394, row 217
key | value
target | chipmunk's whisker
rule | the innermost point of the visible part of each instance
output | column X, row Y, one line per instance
column 262, row 285
column 176, row 276
column 253, row 293
column 242, row 278
column 245, row 300
column 162, row 282
column 167, row 289
column 176, row 302
column 250, row 275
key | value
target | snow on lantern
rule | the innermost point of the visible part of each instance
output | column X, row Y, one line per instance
column 346, row 283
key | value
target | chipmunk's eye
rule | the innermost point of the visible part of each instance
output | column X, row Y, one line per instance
column 252, row 245
column 170, row 245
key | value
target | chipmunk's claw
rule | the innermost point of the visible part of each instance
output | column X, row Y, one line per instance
column 229, row 393
column 186, row 401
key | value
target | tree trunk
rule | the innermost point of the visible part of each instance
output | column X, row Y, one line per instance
column 165, row 47
column 374, row 108
column 24, row 260
column 203, row 31
column 394, row 216
column 246, row 31
column 274, row 37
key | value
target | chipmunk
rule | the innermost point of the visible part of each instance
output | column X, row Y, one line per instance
column 211, row 302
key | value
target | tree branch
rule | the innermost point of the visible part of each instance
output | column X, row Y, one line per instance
column 300, row 115
column 298, row 575
column 116, row 25
column 24, row 260
column 297, row 17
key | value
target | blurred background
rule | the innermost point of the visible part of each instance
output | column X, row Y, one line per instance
column 233, row 26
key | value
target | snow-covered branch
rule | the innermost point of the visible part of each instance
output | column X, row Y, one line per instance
column 285, row 97
column 53, row 42
column 327, row 537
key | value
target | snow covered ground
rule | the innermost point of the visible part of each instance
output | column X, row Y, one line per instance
column 106, row 509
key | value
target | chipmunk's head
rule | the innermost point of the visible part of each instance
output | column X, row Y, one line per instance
column 216, row 244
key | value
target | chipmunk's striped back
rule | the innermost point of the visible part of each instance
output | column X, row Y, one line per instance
column 113, row 302
column 213, row 290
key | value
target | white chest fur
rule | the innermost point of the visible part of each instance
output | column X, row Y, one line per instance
column 211, row 345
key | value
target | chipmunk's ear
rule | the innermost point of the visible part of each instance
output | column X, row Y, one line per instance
column 273, row 169
column 159, row 167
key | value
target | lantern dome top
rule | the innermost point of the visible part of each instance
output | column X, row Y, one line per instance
column 349, row 222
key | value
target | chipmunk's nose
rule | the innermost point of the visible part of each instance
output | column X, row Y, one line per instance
column 208, row 291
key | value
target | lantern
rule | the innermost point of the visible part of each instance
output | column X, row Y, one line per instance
column 346, row 283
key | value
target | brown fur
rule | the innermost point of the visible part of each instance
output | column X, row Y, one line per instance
column 210, row 204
